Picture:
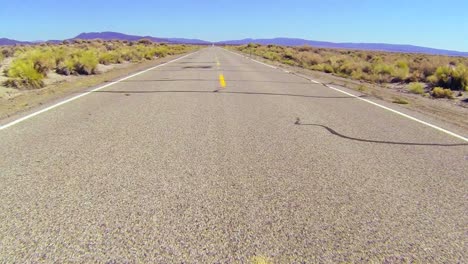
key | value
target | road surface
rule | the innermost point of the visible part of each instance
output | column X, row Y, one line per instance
column 215, row 158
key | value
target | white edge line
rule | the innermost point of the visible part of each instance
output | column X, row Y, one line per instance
column 273, row 67
column 86, row 93
column 384, row 107
column 401, row 114
column 235, row 53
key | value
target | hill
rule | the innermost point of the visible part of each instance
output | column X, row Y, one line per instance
column 11, row 42
column 355, row 46
column 108, row 35
column 121, row 36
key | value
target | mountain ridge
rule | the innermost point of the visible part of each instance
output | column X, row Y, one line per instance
column 403, row 48
column 109, row 35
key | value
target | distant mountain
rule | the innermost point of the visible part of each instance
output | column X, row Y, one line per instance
column 121, row 36
column 11, row 42
column 274, row 41
column 189, row 41
column 115, row 36
column 355, row 46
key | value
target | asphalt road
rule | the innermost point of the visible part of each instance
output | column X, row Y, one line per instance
column 170, row 167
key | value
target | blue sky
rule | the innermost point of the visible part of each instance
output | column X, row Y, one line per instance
column 438, row 24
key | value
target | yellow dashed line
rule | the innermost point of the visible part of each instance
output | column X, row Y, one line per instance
column 222, row 81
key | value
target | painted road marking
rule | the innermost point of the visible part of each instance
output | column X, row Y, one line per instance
column 273, row 67
column 86, row 93
column 384, row 107
column 222, row 81
column 401, row 114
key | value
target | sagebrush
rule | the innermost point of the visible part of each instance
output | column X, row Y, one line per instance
column 32, row 64
column 372, row 66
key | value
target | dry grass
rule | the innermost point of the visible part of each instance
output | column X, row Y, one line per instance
column 31, row 64
column 13, row 100
column 439, row 92
column 372, row 66
column 416, row 87
column 400, row 101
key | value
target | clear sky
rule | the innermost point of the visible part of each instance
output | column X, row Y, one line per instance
column 430, row 23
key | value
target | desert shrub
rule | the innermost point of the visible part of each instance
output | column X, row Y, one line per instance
column 425, row 66
column 451, row 77
column 271, row 56
column 416, row 88
column 61, row 54
column 23, row 74
column 399, row 101
column 311, row 59
column 109, row 46
column 253, row 45
column 288, row 62
column 86, row 62
column 376, row 59
column 323, row 67
column 372, row 66
column 382, row 72
column 460, row 77
column 432, row 79
column 334, row 62
column 288, row 55
column 305, row 48
column 401, row 71
column 357, row 74
column 443, row 74
column 160, row 51
column 415, row 76
column 131, row 54
column 66, row 67
column 328, row 68
column 43, row 59
column 8, row 52
column 145, row 42
column 347, row 68
column 382, row 68
column 111, row 57
column 439, row 92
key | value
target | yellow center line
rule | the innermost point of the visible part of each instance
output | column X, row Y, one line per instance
column 222, row 81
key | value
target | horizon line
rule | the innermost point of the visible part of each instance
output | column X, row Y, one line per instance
column 239, row 39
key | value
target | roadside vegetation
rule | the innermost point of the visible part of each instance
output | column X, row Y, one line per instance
column 438, row 76
column 31, row 65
